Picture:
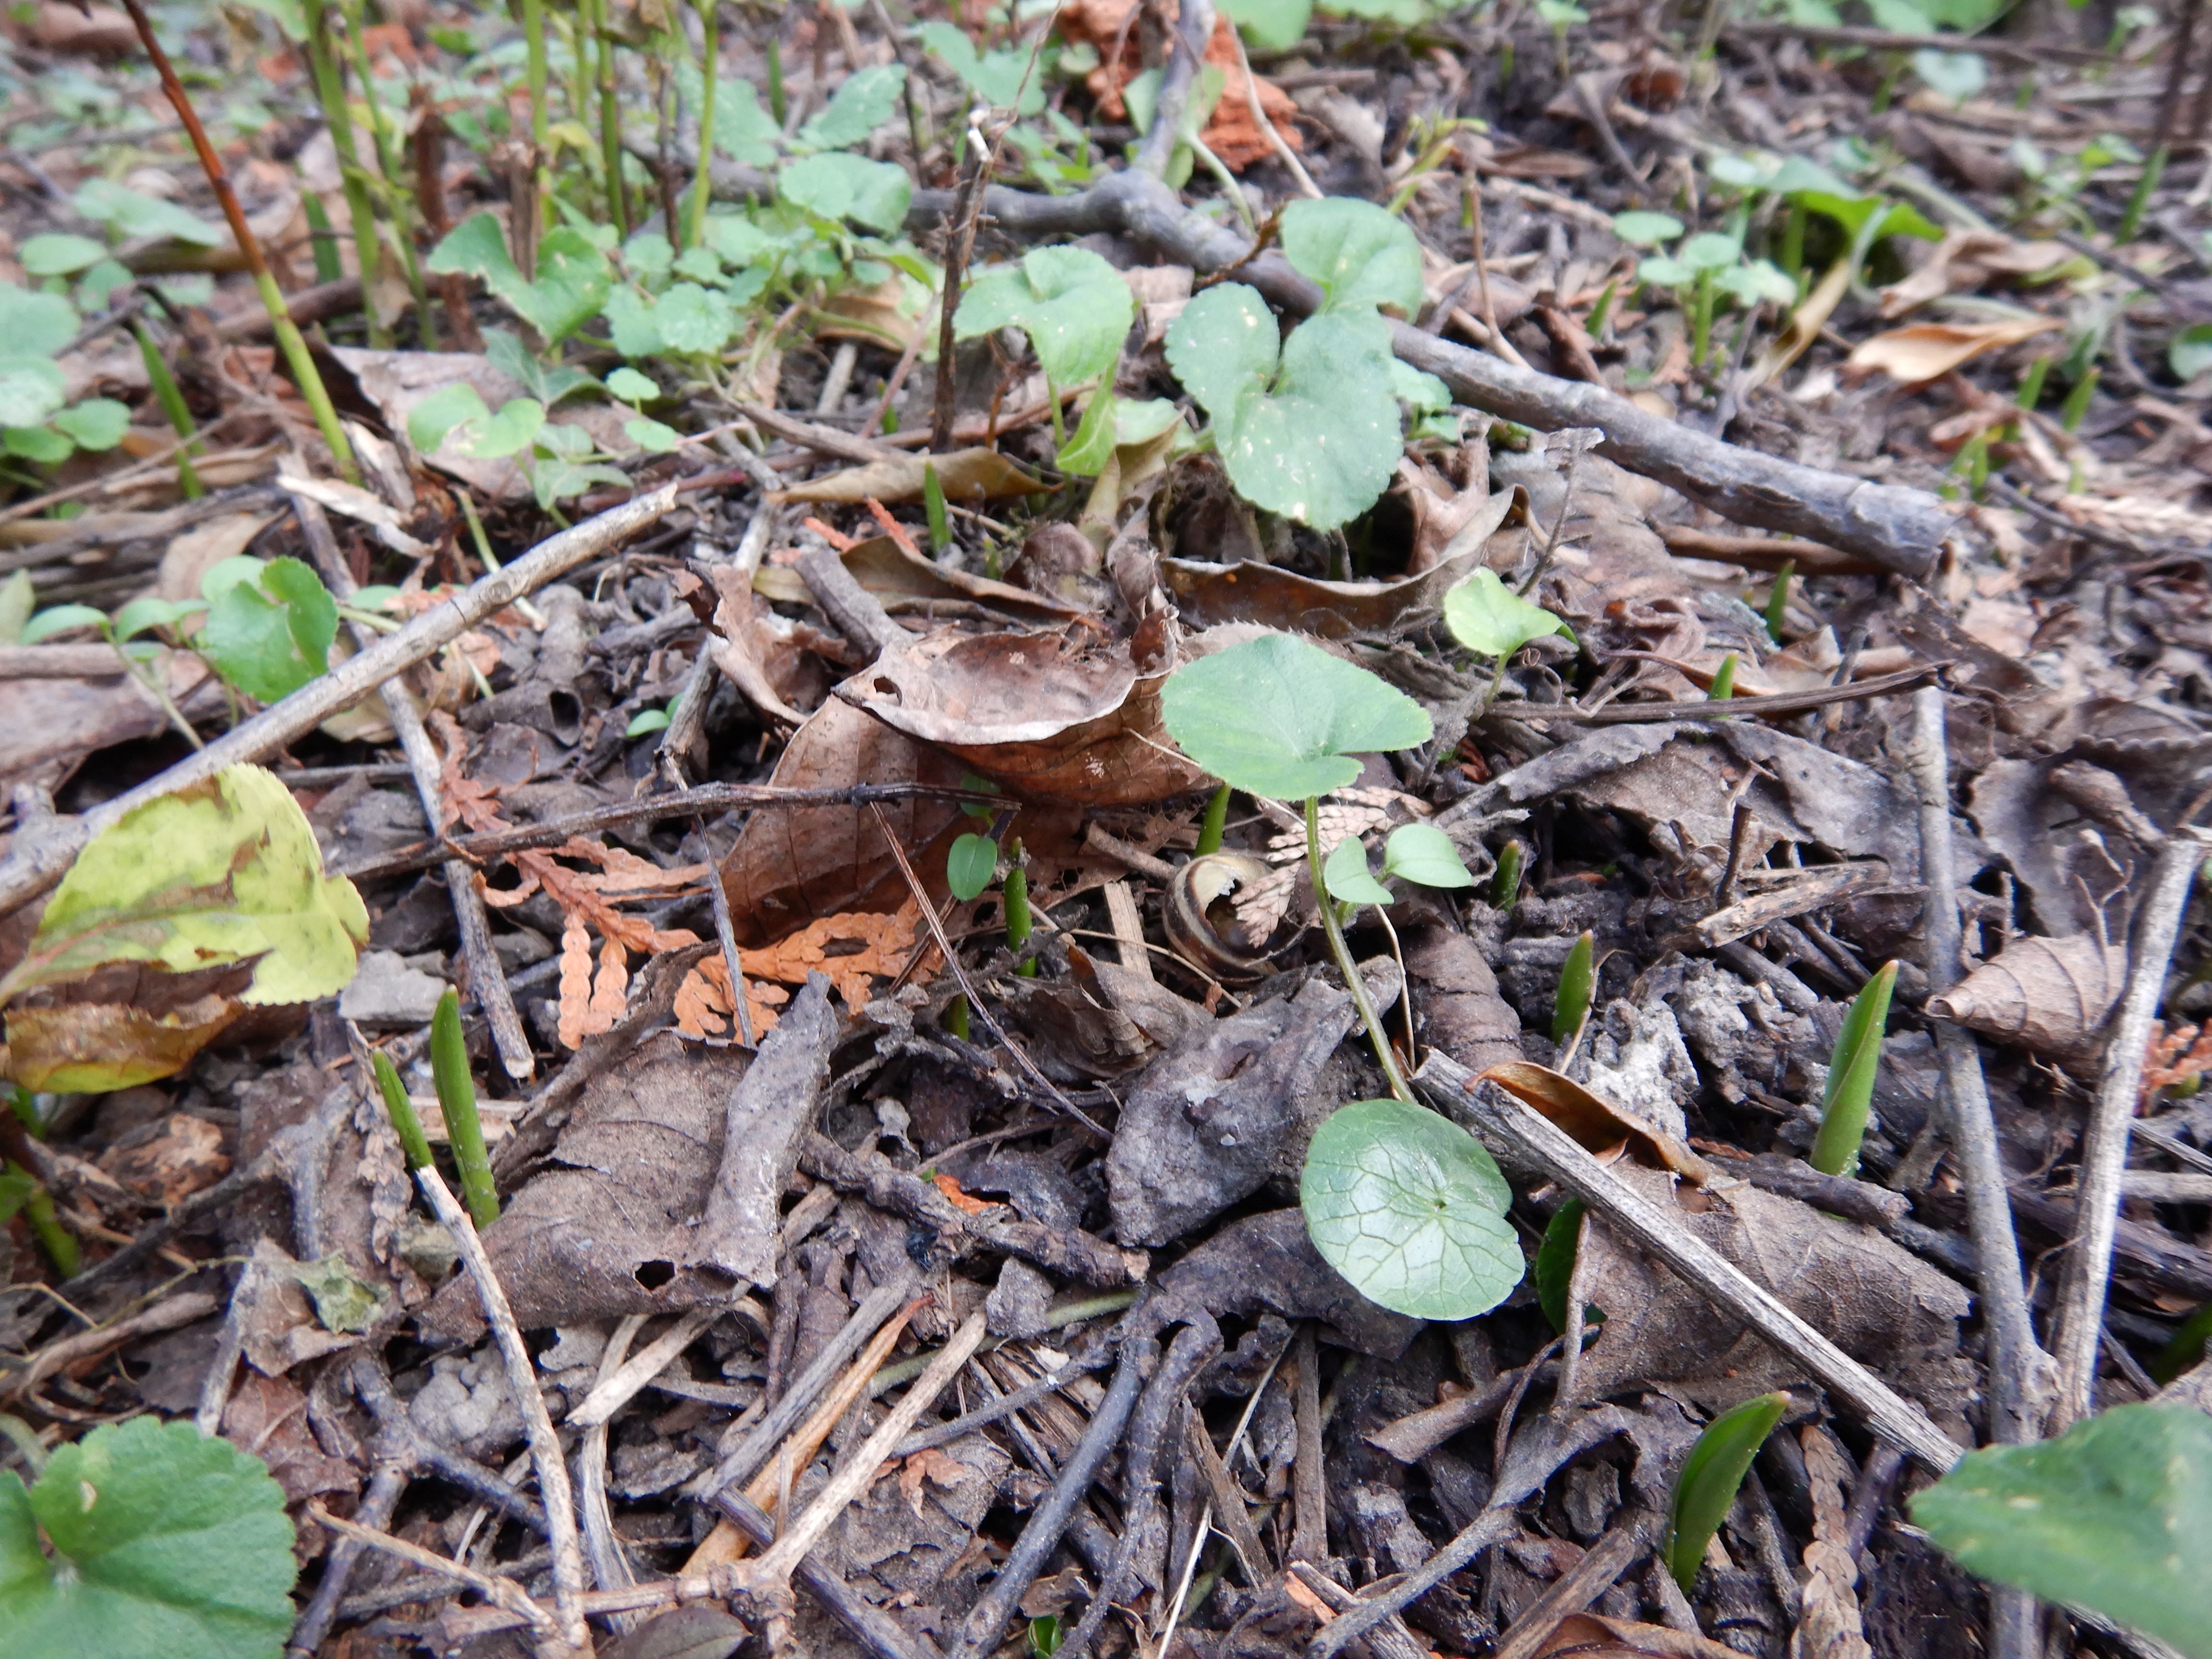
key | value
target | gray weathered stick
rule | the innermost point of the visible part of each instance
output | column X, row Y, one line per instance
column 29, row 870
column 2080, row 1317
column 1451, row 1088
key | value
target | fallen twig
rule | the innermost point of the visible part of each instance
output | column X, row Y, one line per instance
column 2081, row 1314
column 1577, row 1587
column 1781, row 702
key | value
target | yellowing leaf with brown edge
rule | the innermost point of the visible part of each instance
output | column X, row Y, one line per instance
column 91, row 1047
column 1924, row 351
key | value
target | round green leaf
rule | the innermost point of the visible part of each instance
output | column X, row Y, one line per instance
column 1759, row 280
column 1346, row 874
column 645, row 721
column 1709, row 251
column 58, row 254
column 1491, row 620
column 1278, row 717
column 1422, row 852
column 836, row 186
column 269, row 638
column 1411, row 1209
column 95, row 423
column 492, row 437
column 1362, row 255
column 31, row 388
column 969, row 866
column 1646, row 229
column 1739, row 171
column 2190, row 353
column 38, row 443
column 632, row 387
column 429, row 421
column 165, row 1542
column 61, row 619
column 1664, row 270
column 34, row 323
column 1073, row 305
column 863, row 101
column 693, row 319
column 1957, row 76
column 651, row 434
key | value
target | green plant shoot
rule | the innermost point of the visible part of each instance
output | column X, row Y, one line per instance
column 969, row 864
column 1555, row 1266
column 1577, row 986
column 1505, row 879
column 932, row 501
column 1211, row 827
column 1724, row 685
column 1018, row 921
column 1707, row 1486
column 414, row 1144
column 1852, row 1068
column 457, row 1099
column 1777, row 600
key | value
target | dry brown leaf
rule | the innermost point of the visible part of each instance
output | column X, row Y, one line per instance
column 1829, row 1627
column 1599, row 1636
column 851, row 949
column 1210, row 594
column 2177, row 1058
column 576, row 984
column 703, row 1006
column 905, row 580
column 1805, row 324
column 1051, row 718
column 73, row 1045
column 1924, row 351
column 951, row 1189
column 965, row 475
column 2051, row 994
column 931, row 1464
column 1965, row 259
column 185, row 1155
column 1595, row 1124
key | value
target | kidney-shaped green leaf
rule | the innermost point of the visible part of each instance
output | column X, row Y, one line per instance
column 271, row 637
column 1278, row 717
column 1409, row 1208
column 1361, row 254
column 838, row 185
column 1491, row 620
column 1423, row 853
column 2115, row 1516
column 1346, row 874
column 1309, row 430
column 1073, row 305
column 165, row 1543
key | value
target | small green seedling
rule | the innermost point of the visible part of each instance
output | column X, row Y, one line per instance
column 1211, row 828
column 1707, row 265
column 1724, row 685
column 1777, row 600
column 1019, row 923
column 1044, row 1629
column 1406, row 1205
column 969, row 864
column 414, row 1144
column 1577, row 989
column 1505, row 879
column 1851, row 1067
column 933, row 502
column 22, row 1192
column 1491, row 620
column 457, row 1100
column 143, row 1540
column 1711, row 1475
column 1555, row 1267
column 2114, row 1515
column 2185, row 1348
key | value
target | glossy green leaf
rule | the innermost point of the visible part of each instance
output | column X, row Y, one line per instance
column 1346, row 874
column 2115, row 1516
column 1280, row 718
column 165, row 1545
column 645, row 722
column 95, row 423
column 1090, row 446
column 969, row 866
column 58, row 254
column 1577, row 986
column 1424, row 854
column 151, row 611
column 1073, row 305
column 1307, row 428
column 1362, row 255
column 414, row 1144
column 1852, row 1068
column 1705, row 1490
column 836, row 186
column 31, row 390
column 1554, row 1265
column 1646, row 229
column 1505, row 879
column 1410, row 1210
column 864, row 101
column 692, row 320
column 270, row 638
column 1491, row 620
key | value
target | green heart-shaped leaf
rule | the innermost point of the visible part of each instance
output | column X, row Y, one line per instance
column 836, row 186
column 864, row 101
column 1409, row 1208
column 1362, row 255
column 1278, row 717
column 1346, row 874
column 1424, row 854
column 1073, row 305
column 1491, row 620
column 970, row 865
column 31, row 388
column 271, row 638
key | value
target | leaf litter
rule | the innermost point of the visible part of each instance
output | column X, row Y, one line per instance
column 1153, row 454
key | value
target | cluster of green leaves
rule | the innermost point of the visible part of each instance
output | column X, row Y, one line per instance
column 163, row 1543
column 1309, row 426
column 1277, row 25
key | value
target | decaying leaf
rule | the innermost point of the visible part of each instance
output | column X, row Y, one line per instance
column 1593, row 1123
column 1211, row 594
column 1965, row 259
column 1601, row 1636
column 182, row 1156
column 1050, row 717
column 965, row 475
column 2051, row 994
column 1924, row 351
column 92, row 1047
column 934, row 1466
column 905, row 582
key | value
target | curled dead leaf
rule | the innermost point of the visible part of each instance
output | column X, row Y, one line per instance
column 964, row 474
column 1204, row 922
column 1924, row 351
column 1209, row 594
column 2049, row 994
column 905, row 581
column 1594, row 1123
column 1052, row 718
column 1964, row 261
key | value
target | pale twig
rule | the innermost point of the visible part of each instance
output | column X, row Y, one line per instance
column 1284, row 153
column 29, row 870
column 522, row 1380
column 610, row 1392
column 2081, row 1291
column 503, row 1593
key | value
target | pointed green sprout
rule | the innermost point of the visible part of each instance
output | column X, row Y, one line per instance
column 1019, row 921
column 1577, row 986
column 414, row 1144
column 1724, row 685
column 1505, row 880
column 457, row 1099
column 933, row 502
column 1852, row 1068
column 1555, row 1266
column 1711, row 1475
column 1777, row 600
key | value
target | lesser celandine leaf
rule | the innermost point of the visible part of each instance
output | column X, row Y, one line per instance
column 226, row 871
column 1424, row 854
column 1409, row 1208
column 1491, row 620
column 272, row 636
column 164, row 1543
column 2115, row 1516
column 1362, row 255
column 1073, row 305
column 1309, row 428
column 836, row 186
column 1278, row 717
column 969, row 866
column 1346, row 874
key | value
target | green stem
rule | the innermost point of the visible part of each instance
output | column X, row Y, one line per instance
column 390, row 168
column 1019, row 923
column 2146, row 187
column 172, row 399
column 533, row 35
column 710, row 69
column 1216, row 820
column 414, row 1144
column 457, row 1099
column 1701, row 320
column 1345, row 965
column 338, row 115
column 57, row 1241
column 611, row 122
